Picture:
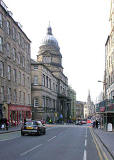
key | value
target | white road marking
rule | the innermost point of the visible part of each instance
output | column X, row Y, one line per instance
column 30, row 150
column 51, row 138
column 85, row 142
column 86, row 133
column 85, row 155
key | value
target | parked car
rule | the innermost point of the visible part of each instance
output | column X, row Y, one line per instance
column 78, row 123
column 84, row 121
column 33, row 127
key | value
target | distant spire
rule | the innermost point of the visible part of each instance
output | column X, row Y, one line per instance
column 89, row 97
column 49, row 29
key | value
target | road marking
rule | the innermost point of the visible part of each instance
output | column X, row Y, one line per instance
column 85, row 155
column 30, row 150
column 86, row 133
column 100, row 147
column 51, row 138
column 9, row 139
column 97, row 147
column 85, row 142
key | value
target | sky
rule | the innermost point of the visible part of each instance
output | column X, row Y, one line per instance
column 81, row 28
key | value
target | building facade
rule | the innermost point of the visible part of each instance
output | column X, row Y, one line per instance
column 106, row 107
column 79, row 110
column 15, row 77
column 54, row 85
column 90, row 106
column 72, row 95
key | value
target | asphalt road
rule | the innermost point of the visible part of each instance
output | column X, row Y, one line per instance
column 62, row 142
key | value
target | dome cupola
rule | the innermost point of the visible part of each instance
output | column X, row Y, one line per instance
column 49, row 38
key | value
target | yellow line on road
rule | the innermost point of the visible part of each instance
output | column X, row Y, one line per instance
column 100, row 147
column 97, row 147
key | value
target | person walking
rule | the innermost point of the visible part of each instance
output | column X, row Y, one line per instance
column 96, row 124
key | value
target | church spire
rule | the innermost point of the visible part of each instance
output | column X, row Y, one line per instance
column 49, row 29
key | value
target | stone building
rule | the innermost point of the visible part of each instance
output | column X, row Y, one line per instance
column 79, row 110
column 90, row 106
column 72, row 95
column 106, row 107
column 52, row 88
column 15, row 77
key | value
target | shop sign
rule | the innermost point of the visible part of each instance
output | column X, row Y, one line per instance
column 19, row 108
column 102, row 109
column 110, row 108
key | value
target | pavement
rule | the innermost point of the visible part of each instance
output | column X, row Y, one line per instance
column 107, row 139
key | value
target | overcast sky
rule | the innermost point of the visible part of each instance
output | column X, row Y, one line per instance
column 81, row 28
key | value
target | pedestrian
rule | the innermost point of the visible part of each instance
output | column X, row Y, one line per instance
column 7, row 124
column 96, row 124
column 24, row 121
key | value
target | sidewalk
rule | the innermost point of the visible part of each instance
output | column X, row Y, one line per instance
column 107, row 138
column 10, row 129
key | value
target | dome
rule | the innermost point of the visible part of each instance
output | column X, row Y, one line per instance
column 50, row 39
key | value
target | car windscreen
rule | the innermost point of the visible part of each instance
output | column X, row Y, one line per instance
column 31, row 123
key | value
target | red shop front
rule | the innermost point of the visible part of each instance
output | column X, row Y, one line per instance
column 17, row 113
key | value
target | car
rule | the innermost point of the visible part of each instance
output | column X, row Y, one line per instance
column 84, row 121
column 78, row 123
column 33, row 127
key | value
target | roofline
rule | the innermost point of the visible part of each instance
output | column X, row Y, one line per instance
column 15, row 22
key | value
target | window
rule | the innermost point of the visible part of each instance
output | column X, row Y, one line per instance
column 9, row 95
column 20, row 96
column 43, row 82
column 43, row 101
column 28, row 98
column 1, row 20
column 2, row 93
column 47, row 81
column 23, row 98
column 8, row 49
column 36, row 67
column 50, row 83
column 14, row 33
column 19, row 77
column 1, row 44
column 1, row 69
column 23, row 61
column 19, row 58
column 28, row 83
column 8, row 27
column 14, row 75
column 19, row 38
column 14, row 54
column 35, row 80
column 23, row 80
column 9, row 72
column 36, row 102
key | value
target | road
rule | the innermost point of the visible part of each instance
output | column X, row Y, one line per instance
column 61, row 142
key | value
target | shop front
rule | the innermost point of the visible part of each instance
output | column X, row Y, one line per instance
column 18, row 113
